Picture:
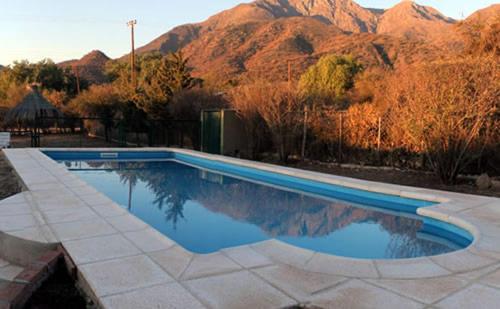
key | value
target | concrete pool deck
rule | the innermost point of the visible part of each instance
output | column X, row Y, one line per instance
column 124, row 263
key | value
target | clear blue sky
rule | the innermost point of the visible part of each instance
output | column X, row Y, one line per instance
column 67, row 29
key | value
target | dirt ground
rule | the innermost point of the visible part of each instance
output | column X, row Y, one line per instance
column 400, row 177
column 9, row 185
column 66, row 140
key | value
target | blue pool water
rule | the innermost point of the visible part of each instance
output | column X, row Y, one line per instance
column 207, row 210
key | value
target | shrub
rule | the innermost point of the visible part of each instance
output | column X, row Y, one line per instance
column 447, row 109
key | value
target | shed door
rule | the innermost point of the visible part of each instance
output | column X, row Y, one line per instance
column 212, row 132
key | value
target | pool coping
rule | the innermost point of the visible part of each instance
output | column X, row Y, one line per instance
column 63, row 208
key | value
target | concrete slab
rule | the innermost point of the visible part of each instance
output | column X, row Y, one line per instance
column 247, row 257
column 127, row 223
column 149, row 240
column 333, row 265
column 411, row 268
column 100, row 248
column 123, row 275
column 174, row 260
column 473, row 297
column 240, row 290
column 82, row 229
column 426, row 291
column 16, row 222
column 209, row 264
column 297, row 283
column 462, row 261
column 70, row 215
column 166, row 296
column 9, row 272
column 358, row 294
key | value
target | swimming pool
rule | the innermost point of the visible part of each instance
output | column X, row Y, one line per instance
column 207, row 205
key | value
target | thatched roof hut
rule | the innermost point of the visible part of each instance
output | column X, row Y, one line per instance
column 32, row 109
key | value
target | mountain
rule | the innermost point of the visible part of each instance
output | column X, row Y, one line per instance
column 482, row 31
column 90, row 67
column 255, row 40
column 344, row 14
column 484, row 17
column 410, row 20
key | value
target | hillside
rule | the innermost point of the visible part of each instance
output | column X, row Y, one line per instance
column 257, row 39
column 485, row 16
column 90, row 67
column 412, row 21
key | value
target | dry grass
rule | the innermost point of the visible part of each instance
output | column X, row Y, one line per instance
column 63, row 141
column 9, row 184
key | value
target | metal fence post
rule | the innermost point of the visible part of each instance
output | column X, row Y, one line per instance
column 379, row 139
column 304, row 133
column 340, row 138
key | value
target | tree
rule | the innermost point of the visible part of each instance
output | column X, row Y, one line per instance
column 280, row 107
column 101, row 101
column 330, row 78
column 449, row 110
column 45, row 73
column 174, row 74
column 245, row 99
column 159, row 80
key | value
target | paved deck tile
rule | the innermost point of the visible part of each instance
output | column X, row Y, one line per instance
column 209, row 264
column 297, row 283
column 284, row 253
column 462, row 261
column 83, row 229
column 240, row 290
column 70, row 215
column 424, row 290
column 472, row 275
column 492, row 279
column 9, row 272
column 17, row 222
column 411, row 268
column 360, row 295
column 123, row 275
column 109, row 210
column 247, row 257
column 174, row 260
column 167, row 296
column 36, row 233
column 100, row 248
column 3, row 263
column 127, row 223
column 149, row 240
column 12, row 209
column 474, row 297
column 329, row 264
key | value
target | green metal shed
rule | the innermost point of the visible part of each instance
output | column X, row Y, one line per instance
column 223, row 132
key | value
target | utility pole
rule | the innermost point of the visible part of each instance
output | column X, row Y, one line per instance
column 132, row 24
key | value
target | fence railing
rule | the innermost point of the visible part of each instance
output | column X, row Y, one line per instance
column 179, row 133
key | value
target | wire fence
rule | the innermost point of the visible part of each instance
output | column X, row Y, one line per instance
column 44, row 130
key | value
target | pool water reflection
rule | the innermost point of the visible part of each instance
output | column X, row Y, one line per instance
column 205, row 211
